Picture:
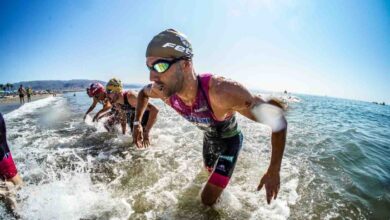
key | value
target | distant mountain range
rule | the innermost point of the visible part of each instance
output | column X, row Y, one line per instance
column 64, row 85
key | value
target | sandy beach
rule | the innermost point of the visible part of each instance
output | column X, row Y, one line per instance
column 15, row 99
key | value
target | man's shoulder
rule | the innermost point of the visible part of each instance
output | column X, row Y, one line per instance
column 221, row 85
column 225, row 92
column 131, row 93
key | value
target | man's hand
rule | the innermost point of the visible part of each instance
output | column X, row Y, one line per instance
column 271, row 181
column 138, row 136
column 85, row 116
column 95, row 118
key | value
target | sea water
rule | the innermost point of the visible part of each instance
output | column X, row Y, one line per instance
column 336, row 165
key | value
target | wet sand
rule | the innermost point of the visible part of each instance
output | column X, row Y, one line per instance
column 15, row 99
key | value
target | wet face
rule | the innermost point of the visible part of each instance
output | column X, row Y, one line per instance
column 168, row 82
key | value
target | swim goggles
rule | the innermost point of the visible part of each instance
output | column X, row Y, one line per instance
column 162, row 65
column 109, row 91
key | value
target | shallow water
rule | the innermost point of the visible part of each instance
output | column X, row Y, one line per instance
column 335, row 166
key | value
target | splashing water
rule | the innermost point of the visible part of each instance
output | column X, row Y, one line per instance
column 76, row 170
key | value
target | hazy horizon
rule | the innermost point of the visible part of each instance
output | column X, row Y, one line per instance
column 252, row 89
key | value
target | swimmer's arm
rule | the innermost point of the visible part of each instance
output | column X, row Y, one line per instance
column 153, row 110
column 143, row 100
column 139, row 137
column 104, row 115
column 93, row 105
column 242, row 101
column 123, row 125
column 106, row 106
column 107, row 113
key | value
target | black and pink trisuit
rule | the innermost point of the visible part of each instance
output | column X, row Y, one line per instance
column 222, row 139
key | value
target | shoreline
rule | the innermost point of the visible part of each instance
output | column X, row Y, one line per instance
column 15, row 99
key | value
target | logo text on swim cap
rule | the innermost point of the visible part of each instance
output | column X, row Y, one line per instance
column 184, row 41
column 178, row 48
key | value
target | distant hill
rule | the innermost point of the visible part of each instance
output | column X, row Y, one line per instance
column 64, row 85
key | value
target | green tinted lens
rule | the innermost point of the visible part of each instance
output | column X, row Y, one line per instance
column 161, row 67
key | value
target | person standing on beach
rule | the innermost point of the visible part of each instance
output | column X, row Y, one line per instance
column 210, row 102
column 21, row 92
column 125, row 103
column 29, row 93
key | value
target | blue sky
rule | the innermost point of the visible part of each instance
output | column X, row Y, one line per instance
column 333, row 48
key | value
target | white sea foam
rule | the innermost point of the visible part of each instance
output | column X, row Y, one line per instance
column 51, row 192
column 98, row 125
column 29, row 107
column 71, row 197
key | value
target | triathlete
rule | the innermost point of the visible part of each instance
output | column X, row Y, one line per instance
column 98, row 93
column 125, row 102
column 211, row 103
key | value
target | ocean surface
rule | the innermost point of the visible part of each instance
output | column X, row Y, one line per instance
column 336, row 165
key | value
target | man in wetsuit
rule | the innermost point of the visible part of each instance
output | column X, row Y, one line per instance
column 21, row 92
column 125, row 102
column 210, row 102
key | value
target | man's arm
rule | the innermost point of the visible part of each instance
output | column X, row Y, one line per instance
column 143, row 100
column 259, row 110
column 153, row 112
column 123, row 121
column 143, row 103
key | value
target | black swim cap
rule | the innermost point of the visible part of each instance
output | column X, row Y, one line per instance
column 170, row 44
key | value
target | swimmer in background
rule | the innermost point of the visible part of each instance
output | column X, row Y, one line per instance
column 98, row 93
column 125, row 103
